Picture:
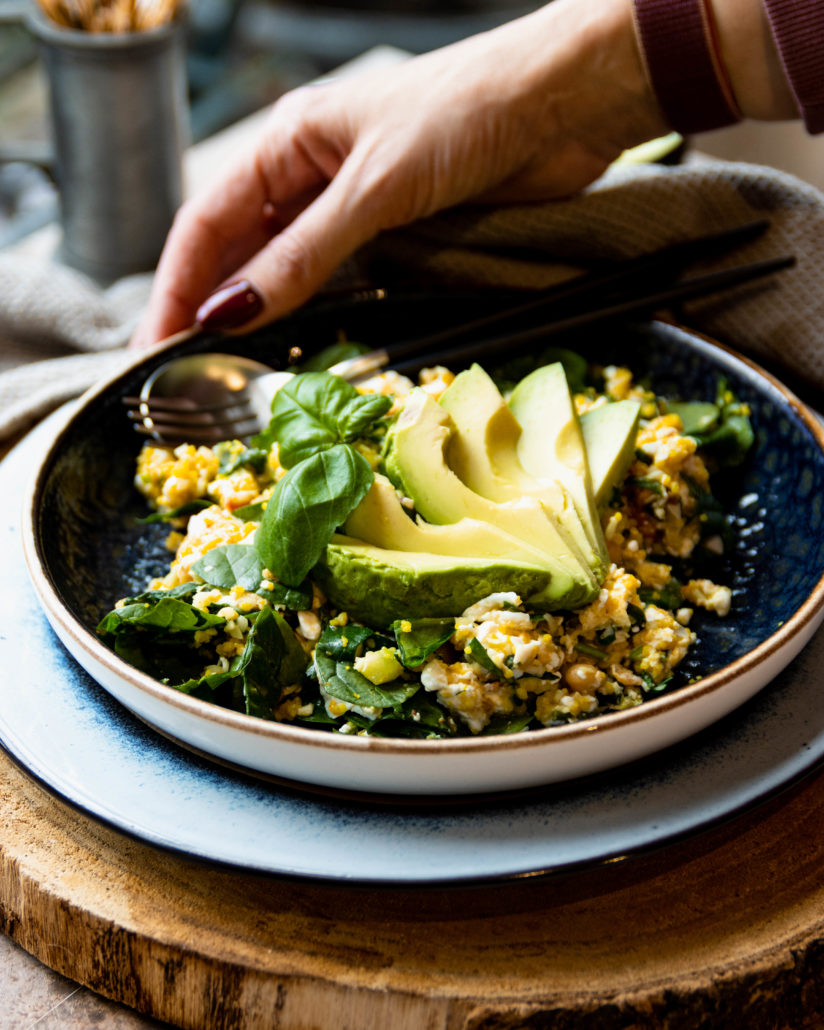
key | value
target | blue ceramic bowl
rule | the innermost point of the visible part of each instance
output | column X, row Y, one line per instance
column 85, row 549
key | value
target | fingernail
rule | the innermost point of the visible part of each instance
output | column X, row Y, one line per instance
column 230, row 307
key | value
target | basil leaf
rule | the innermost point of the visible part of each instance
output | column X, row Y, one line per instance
column 230, row 565
column 305, row 415
column 315, row 411
column 421, row 639
column 306, row 507
column 250, row 512
column 360, row 413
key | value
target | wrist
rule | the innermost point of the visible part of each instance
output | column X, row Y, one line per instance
column 594, row 44
column 751, row 59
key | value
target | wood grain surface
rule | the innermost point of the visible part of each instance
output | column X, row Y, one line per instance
column 723, row 930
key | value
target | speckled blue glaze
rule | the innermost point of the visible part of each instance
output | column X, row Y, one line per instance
column 61, row 726
column 776, row 499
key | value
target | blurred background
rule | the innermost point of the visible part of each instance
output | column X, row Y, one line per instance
column 243, row 54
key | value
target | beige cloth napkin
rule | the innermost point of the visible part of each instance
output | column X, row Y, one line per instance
column 60, row 333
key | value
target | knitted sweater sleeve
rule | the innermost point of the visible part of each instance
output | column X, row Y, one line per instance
column 798, row 29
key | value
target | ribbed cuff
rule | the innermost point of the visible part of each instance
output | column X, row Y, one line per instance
column 689, row 80
column 798, row 29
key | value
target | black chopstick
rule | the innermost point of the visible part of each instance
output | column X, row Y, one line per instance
column 640, row 273
column 685, row 289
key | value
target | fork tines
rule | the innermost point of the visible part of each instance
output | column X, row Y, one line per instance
column 179, row 420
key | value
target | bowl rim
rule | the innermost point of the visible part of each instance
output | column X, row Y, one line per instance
column 286, row 733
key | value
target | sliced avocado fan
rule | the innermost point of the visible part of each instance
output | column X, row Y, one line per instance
column 416, row 463
column 609, row 432
column 551, row 444
column 483, row 451
column 502, row 504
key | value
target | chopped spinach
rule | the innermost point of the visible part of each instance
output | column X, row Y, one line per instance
column 231, row 456
column 272, row 659
column 419, row 638
column 668, row 596
column 343, row 682
column 479, row 654
column 345, row 643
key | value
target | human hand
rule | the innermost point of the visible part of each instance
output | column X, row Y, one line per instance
column 533, row 110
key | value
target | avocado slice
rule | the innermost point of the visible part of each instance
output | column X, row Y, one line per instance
column 552, row 445
column 415, row 461
column 610, row 432
column 483, row 451
column 380, row 519
column 376, row 585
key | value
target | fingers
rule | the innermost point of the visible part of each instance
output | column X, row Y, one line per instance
column 216, row 232
column 296, row 263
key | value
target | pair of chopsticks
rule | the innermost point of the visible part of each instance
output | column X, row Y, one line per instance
column 646, row 283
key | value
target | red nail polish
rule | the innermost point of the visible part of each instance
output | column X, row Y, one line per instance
column 230, row 307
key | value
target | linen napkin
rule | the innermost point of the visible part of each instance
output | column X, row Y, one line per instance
column 634, row 209
column 60, row 332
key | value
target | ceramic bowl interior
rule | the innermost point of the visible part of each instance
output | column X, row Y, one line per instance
column 91, row 550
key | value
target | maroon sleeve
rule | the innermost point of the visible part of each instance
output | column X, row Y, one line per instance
column 798, row 29
column 678, row 41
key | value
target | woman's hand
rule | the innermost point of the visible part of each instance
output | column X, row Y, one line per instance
column 535, row 109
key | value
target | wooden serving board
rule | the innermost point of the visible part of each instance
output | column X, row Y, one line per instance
column 723, row 930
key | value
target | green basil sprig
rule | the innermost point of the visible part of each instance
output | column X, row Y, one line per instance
column 315, row 416
column 316, row 411
column 307, row 506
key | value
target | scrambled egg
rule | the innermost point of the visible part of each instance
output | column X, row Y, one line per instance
column 501, row 661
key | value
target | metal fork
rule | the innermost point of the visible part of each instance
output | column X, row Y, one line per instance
column 206, row 398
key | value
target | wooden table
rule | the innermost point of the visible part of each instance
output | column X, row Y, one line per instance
column 725, row 929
